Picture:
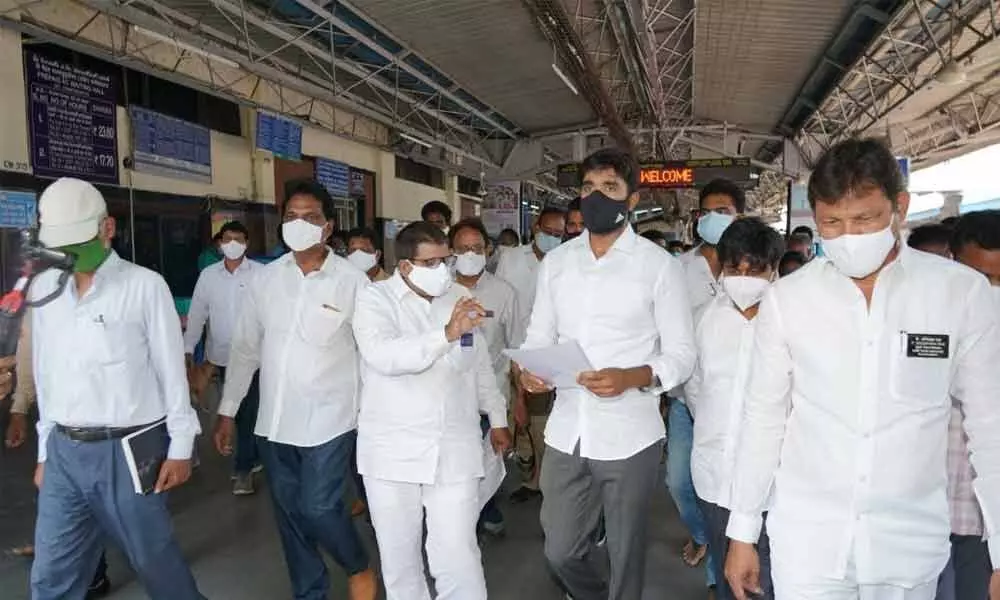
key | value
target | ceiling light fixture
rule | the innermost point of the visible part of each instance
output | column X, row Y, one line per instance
column 415, row 140
column 565, row 79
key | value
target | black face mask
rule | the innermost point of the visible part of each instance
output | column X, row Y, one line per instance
column 602, row 214
column 570, row 236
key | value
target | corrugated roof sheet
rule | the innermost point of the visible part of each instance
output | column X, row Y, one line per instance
column 493, row 49
column 752, row 56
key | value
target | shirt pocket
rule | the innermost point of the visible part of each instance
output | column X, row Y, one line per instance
column 917, row 380
column 320, row 323
column 115, row 342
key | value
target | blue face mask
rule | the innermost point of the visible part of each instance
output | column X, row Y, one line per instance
column 712, row 225
column 546, row 243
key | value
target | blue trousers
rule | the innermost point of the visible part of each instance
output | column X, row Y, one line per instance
column 247, row 454
column 87, row 494
column 680, row 440
column 307, row 487
column 967, row 576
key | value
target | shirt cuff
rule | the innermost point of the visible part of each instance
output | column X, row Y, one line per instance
column 229, row 407
column 498, row 419
column 993, row 544
column 180, row 447
column 744, row 527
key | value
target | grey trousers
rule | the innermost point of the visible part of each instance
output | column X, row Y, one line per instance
column 575, row 491
column 967, row 576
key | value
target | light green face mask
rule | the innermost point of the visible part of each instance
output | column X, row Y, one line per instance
column 89, row 255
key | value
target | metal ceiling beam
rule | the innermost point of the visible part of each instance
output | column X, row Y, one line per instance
column 130, row 15
column 898, row 66
column 365, row 74
column 325, row 14
column 551, row 17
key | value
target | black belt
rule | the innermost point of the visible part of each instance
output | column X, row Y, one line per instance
column 97, row 434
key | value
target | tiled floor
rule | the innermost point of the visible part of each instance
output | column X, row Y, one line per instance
column 232, row 544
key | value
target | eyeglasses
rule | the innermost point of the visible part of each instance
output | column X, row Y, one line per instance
column 432, row 263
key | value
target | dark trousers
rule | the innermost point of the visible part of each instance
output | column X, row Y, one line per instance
column 716, row 520
column 87, row 494
column 575, row 490
column 307, row 487
column 247, row 454
column 967, row 576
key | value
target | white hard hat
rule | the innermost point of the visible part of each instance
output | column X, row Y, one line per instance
column 70, row 212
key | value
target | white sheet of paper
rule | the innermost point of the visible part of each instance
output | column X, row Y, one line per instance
column 557, row 365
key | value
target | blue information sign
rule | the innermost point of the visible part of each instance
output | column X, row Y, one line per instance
column 170, row 147
column 281, row 137
column 73, row 120
column 334, row 176
column 904, row 168
column 18, row 210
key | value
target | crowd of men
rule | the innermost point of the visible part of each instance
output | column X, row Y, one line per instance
column 832, row 433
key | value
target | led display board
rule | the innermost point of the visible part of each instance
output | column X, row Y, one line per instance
column 678, row 174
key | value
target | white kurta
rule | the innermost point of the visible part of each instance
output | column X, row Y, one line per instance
column 847, row 417
column 420, row 445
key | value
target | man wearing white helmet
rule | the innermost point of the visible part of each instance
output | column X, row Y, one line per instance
column 109, row 361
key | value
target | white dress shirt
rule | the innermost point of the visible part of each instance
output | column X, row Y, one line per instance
column 519, row 267
column 217, row 299
column 297, row 329
column 627, row 309
column 702, row 287
column 715, row 395
column 422, row 395
column 851, row 429
column 114, row 358
column 503, row 330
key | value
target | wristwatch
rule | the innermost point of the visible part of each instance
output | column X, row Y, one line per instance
column 653, row 387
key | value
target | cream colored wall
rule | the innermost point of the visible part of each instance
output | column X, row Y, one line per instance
column 319, row 142
column 405, row 199
column 14, row 154
column 239, row 171
column 234, row 162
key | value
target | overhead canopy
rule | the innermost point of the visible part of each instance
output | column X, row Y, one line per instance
column 513, row 87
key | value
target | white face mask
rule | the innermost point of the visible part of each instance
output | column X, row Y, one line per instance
column 432, row 281
column 470, row 264
column 362, row 260
column 745, row 291
column 301, row 235
column 858, row 256
column 234, row 250
column 996, row 295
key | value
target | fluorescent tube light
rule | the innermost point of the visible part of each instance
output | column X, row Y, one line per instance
column 183, row 46
column 415, row 140
column 565, row 79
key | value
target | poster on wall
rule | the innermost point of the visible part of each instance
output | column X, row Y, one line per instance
column 73, row 120
column 170, row 147
column 501, row 208
column 282, row 137
column 334, row 176
column 18, row 210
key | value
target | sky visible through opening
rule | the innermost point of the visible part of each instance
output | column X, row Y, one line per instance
column 974, row 174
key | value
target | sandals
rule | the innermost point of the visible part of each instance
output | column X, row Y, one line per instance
column 692, row 554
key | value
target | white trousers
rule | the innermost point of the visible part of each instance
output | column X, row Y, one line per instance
column 791, row 584
column 452, row 510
